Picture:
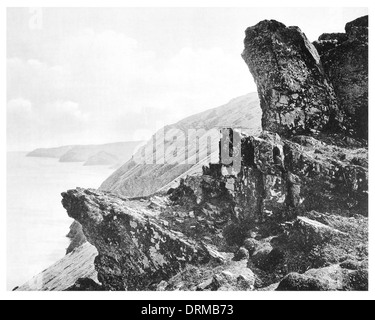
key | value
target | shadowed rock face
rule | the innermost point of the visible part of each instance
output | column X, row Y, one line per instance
column 345, row 61
column 295, row 95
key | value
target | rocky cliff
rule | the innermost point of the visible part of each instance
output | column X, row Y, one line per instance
column 292, row 215
column 345, row 62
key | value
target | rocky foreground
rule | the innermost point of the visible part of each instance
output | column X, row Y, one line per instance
column 294, row 217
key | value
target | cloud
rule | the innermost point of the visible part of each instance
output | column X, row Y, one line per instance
column 29, row 126
column 105, row 86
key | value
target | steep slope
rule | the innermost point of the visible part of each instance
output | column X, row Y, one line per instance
column 138, row 179
column 65, row 273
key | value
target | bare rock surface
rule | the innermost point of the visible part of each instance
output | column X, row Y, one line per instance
column 136, row 249
column 345, row 61
column 296, row 96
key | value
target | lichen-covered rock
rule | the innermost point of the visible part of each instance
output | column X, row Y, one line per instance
column 136, row 250
column 296, row 97
column 346, row 65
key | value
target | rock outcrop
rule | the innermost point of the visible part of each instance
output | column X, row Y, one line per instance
column 296, row 96
column 285, row 178
column 345, row 62
column 136, row 248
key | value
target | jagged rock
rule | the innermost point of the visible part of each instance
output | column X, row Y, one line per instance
column 281, row 178
column 346, row 65
column 295, row 95
column 135, row 249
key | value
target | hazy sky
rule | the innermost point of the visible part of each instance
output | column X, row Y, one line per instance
column 81, row 76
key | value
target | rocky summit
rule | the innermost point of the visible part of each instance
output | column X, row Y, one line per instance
column 292, row 217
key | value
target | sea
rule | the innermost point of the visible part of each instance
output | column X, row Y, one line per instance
column 37, row 224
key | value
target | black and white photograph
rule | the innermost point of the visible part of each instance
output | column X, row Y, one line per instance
column 186, row 152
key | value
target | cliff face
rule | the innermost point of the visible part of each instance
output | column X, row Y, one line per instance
column 296, row 96
column 345, row 61
column 292, row 216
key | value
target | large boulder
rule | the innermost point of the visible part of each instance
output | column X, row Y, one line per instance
column 136, row 247
column 296, row 96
